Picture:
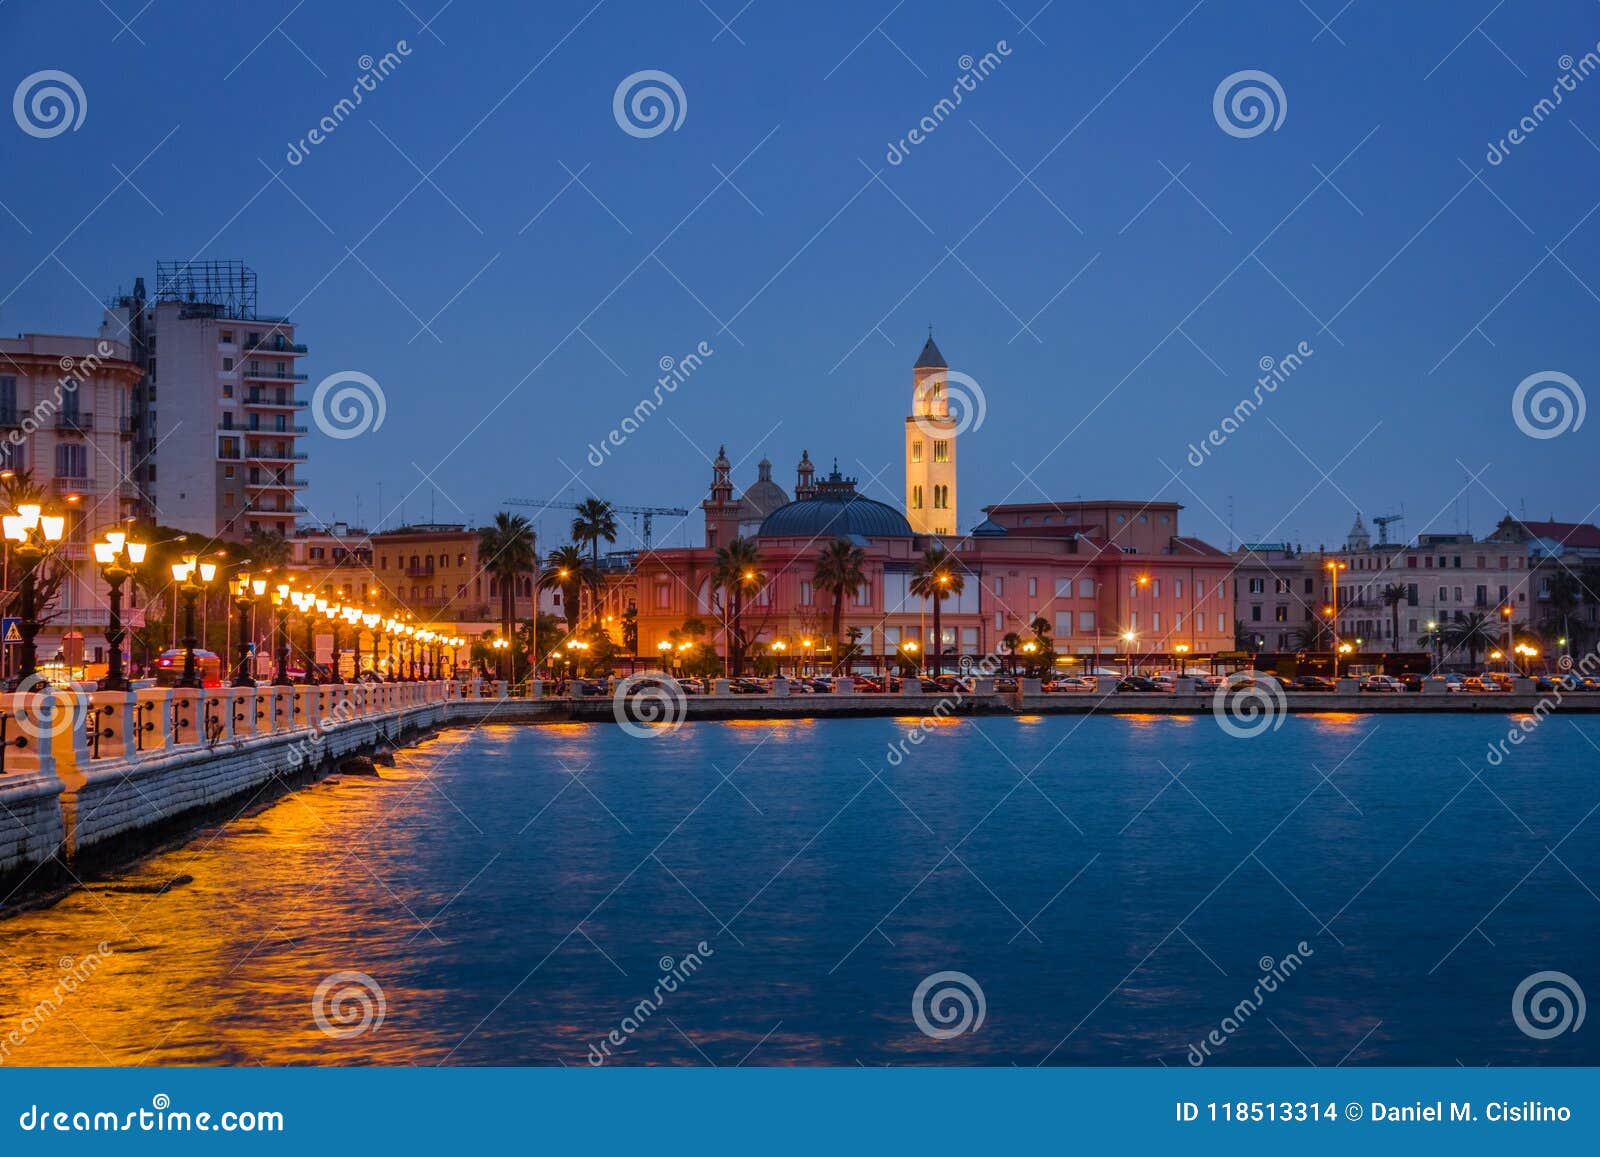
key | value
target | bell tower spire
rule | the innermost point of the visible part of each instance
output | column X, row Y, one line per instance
column 931, row 446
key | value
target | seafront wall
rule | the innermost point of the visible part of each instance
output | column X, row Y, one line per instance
column 91, row 777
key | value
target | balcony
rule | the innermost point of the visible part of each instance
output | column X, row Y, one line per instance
column 277, row 484
column 75, row 423
column 63, row 485
column 258, row 508
column 276, row 344
column 258, row 455
column 272, row 375
column 287, row 402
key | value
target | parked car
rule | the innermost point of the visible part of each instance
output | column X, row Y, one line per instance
column 867, row 685
column 1319, row 683
column 1476, row 684
column 746, row 687
column 1165, row 683
column 1006, row 684
column 1411, row 682
column 1385, row 684
column 1137, row 683
column 1454, row 682
column 1071, row 683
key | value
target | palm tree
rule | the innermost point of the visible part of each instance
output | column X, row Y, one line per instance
column 268, row 550
column 1474, row 633
column 937, row 576
column 567, row 571
column 1393, row 595
column 737, row 570
column 1011, row 641
column 506, row 550
column 596, row 520
column 841, row 568
column 1434, row 639
column 1564, row 593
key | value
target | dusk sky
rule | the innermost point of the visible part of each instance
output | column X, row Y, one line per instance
column 483, row 239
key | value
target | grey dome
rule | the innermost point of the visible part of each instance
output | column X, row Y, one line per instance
column 988, row 528
column 837, row 511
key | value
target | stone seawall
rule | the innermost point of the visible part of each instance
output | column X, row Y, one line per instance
column 94, row 778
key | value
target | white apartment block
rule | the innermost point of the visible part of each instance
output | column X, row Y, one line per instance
column 217, row 418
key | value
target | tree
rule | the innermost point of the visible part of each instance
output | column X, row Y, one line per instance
column 1041, row 660
column 937, row 576
column 596, row 520
column 841, row 570
column 506, row 550
column 267, row 550
column 1563, row 594
column 1011, row 641
column 1316, row 635
column 1393, row 595
column 567, row 571
column 737, row 571
column 1472, row 633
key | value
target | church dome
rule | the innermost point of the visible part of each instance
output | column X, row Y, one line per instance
column 837, row 511
column 988, row 528
column 764, row 495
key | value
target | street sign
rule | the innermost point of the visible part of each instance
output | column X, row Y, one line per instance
column 11, row 631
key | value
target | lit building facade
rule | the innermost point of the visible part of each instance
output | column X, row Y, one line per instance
column 65, row 405
column 217, row 417
column 931, row 447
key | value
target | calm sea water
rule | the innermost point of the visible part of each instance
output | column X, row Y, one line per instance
column 1113, row 885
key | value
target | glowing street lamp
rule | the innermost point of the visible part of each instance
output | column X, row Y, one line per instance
column 192, row 577
column 246, row 591
column 118, row 559
column 35, row 533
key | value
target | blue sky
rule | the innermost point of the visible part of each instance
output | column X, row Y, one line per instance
column 1426, row 293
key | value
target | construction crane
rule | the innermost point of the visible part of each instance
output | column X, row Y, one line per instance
column 1382, row 521
column 645, row 512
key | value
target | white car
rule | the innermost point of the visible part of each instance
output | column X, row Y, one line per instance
column 1382, row 683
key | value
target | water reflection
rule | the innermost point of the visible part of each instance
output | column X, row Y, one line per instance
column 514, row 891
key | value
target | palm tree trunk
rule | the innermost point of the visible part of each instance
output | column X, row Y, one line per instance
column 938, row 636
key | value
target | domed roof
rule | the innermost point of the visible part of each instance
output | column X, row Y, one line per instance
column 837, row 511
column 764, row 495
column 988, row 528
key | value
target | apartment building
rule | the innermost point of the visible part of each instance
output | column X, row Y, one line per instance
column 217, row 420
column 65, row 427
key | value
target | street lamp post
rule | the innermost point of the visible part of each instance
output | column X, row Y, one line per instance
column 192, row 577
column 371, row 620
column 306, row 604
column 1333, row 569
column 280, row 600
column 34, row 533
column 245, row 593
column 118, row 559
column 334, row 614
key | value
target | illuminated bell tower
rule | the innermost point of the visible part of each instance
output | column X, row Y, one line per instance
column 931, row 447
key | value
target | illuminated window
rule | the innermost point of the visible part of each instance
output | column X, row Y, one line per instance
column 916, row 450
column 941, row 451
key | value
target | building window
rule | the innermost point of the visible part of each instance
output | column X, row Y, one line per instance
column 1085, row 622
column 1063, row 622
column 1033, row 588
column 806, row 598
column 1086, row 588
column 941, row 450
column 916, row 498
column 916, row 450
column 72, row 460
column 999, row 587
column 663, row 596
